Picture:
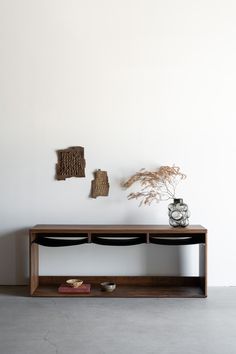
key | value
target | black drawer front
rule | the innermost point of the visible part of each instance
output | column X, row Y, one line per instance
column 180, row 240
column 111, row 241
column 59, row 240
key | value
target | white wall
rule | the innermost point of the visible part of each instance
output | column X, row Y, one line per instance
column 138, row 83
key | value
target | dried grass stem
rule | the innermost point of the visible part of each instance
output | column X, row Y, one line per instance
column 155, row 185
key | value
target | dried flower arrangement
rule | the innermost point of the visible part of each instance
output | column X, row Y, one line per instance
column 156, row 185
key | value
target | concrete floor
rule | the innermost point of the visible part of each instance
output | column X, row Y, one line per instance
column 117, row 326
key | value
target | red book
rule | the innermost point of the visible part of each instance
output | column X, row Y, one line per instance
column 84, row 288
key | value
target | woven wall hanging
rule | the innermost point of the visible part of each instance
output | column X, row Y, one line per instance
column 100, row 184
column 71, row 163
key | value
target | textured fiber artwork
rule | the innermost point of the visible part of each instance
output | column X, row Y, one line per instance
column 71, row 163
column 100, row 184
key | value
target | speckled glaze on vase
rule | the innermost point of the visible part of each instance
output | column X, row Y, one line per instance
column 178, row 213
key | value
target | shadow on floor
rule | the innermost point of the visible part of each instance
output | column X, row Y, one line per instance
column 12, row 290
column 14, row 259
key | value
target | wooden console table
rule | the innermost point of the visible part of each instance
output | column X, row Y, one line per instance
column 120, row 235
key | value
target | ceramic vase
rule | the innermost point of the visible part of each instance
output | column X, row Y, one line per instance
column 178, row 213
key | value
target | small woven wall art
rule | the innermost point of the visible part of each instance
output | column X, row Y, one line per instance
column 100, row 184
column 71, row 163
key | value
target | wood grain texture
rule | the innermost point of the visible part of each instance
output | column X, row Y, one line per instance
column 34, row 263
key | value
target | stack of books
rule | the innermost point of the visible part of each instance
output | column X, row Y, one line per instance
column 82, row 289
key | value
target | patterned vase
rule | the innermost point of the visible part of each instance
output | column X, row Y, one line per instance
column 178, row 213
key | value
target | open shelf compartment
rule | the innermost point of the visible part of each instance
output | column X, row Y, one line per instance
column 128, row 286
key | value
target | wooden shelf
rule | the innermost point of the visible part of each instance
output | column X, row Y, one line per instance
column 127, row 286
column 163, row 287
column 127, row 291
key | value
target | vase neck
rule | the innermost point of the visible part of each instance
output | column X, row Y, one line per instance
column 178, row 200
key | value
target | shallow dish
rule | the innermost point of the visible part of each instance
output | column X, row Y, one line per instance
column 108, row 286
column 74, row 283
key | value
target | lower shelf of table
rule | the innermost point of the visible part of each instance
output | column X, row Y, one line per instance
column 149, row 286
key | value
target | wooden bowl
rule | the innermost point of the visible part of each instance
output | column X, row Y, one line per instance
column 74, row 283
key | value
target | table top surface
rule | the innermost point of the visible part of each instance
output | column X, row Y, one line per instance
column 116, row 228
